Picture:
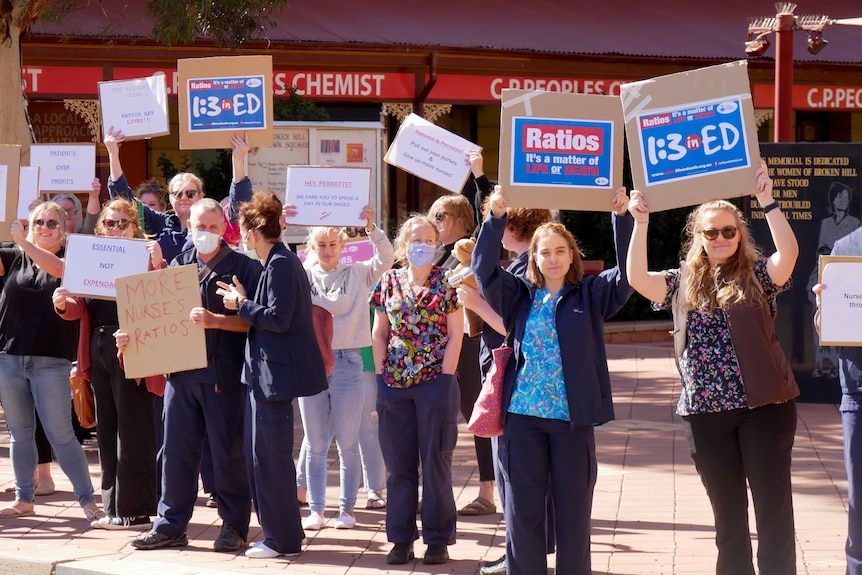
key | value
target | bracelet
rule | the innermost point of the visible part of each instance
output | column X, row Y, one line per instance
column 240, row 301
column 770, row 207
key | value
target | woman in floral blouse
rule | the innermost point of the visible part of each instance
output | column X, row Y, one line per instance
column 417, row 334
column 737, row 387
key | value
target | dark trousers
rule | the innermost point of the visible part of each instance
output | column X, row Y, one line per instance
column 126, row 432
column 729, row 448
column 419, row 422
column 193, row 410
column 269, row 450
column 851, row 411
column 531, row 450
column 470, row 383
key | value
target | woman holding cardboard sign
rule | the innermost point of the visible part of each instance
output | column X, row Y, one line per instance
column 124, row 407
column 737, row 386
column 36, row 353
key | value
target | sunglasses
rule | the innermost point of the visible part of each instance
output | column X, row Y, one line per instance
column 727, row 232
column 50, row 224
column 122, row 224
column 189, row 194
column 71, row 211
column 440, row 216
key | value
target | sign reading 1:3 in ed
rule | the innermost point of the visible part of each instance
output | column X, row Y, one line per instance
column 229, row 103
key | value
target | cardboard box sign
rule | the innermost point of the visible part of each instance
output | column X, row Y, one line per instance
column 221, row 96
column 560, row 151
column 692, row 136
column 10, row 162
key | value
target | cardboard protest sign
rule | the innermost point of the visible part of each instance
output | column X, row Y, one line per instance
column 153, row 308
column 692, row 136
column 28, row 190
column 64, row 167
column 560, row 151
column 431, row 153
column 221, row 96
column 138, row 107
column 93, row 262
column 10, row 161
column 841, row 301
column 326, row 196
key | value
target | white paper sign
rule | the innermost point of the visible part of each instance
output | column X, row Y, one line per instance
column 328, row 196
column 28, row 190
column 431, row 153
column 64, row 167
column 841, row 304
column 94, row 262
column 138, row 107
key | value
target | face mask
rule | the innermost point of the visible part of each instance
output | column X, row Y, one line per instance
column 420, row 255
column 205, row 242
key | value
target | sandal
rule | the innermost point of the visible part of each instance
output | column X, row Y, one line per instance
column 479, row 506
column 92, row 512
column 11, row 511
column 375, row 501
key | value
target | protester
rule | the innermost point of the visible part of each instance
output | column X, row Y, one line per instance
column 737, row 386
column 417, row 333
column 850, row 377
column 124, row 407
column 171, row 230
column 36, row 351
column 342, row 290
column 557, row 385
column 282, row 361
column 207, row 402
column 153, row 196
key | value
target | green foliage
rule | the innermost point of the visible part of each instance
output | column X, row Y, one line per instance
column 169, row 169
column 216, row 175
column 297, row 109
column 229, row 23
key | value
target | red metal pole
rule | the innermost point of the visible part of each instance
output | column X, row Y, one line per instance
column 785, row 24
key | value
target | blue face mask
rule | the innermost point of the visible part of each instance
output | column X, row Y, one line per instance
column 420, row 255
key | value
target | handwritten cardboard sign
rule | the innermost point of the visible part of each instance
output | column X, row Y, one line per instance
column 560, row 151
column 841, row 301
column 138, row 107
column 224, row 95
column 10, row 162
column 64, row 167
column 692, row 136
column 326, row 196
column 431, row 153
column 28, row 190
column 93, row 262
column 153, row 308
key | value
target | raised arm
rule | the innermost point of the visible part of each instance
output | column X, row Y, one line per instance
column 41, row 257
column 117, row 184
column 93, row 207
column 384, row 254
column 651, row 285
column 780, row 264
column 240, row 186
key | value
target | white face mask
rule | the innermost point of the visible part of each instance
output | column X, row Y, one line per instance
column 205, row 242
column 420, row 255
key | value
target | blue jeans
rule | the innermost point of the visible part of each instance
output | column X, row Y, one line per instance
column 28, row 382
column 340, row 407
column 373, row 468
column 851, row 409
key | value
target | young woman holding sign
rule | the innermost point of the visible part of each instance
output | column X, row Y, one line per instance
column 124, row 407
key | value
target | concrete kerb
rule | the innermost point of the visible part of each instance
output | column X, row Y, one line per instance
column 132, row 567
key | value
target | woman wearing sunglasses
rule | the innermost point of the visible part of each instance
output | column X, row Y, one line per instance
column 124, row 407
column 36, row 353
column 737, row 386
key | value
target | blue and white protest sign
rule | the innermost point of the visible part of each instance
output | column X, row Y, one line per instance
column 559, row 150
column 234, row 103
column 692, row 136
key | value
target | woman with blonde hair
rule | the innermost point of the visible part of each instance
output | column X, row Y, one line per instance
column 417, row 333
column 124, row 407
column 737, row 386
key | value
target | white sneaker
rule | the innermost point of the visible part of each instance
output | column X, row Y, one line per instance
column 261, row 551
column 345, row 521
column 314, row 522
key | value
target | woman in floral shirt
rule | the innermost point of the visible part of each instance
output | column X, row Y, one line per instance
column 417, row 334
column 737, row 387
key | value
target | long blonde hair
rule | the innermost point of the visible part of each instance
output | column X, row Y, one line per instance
column 732, row 282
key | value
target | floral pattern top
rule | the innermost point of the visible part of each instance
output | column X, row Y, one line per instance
column 711, row 380
column 417, row 325
column 540, row 390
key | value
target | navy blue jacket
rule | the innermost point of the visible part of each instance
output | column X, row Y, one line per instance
column 225, row 349
column 282, row 358
column 580, row 316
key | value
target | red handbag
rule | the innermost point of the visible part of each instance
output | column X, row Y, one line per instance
column 487, row 417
